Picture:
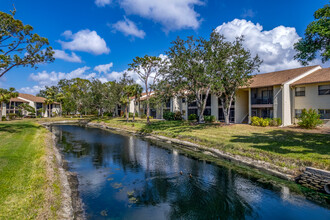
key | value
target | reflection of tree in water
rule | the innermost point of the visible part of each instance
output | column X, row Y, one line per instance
column 193, row 198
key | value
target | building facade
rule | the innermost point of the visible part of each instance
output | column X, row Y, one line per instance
column 38, row 103
column 280, row 94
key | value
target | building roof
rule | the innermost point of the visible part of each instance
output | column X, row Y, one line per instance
column 32, row 97
column 276, row 78
column 18, row 100
column 319, row 76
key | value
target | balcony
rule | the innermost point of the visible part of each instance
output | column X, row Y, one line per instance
column 259, row 101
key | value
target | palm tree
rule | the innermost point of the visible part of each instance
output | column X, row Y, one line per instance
column 59, row 98
column 49, row 99
column 136, row 93
column 5, row 96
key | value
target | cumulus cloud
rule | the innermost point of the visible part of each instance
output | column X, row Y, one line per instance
column 102, row 3
column 31, row 90
column 172, row 14
column 275, row 47
column 86, row 41
column 105, row 68
column 60, row 54
column 128, row 28
column 45, row 78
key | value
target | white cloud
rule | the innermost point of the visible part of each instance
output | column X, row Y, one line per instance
column 248, row 13
column 128, row 28
column 172, row 14
column 31, row 90
column 45, row 78
column 275, row 47
column 60, row 54
column 102, row 3
column 105, row 68
column 86, row 41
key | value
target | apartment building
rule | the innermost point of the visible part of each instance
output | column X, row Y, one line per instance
column 281, row 94
column 38, row 103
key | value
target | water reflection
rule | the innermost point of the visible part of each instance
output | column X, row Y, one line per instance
column 124, row 177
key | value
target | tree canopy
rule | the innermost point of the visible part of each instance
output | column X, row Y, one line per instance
column 19, row 46
column 316, row 39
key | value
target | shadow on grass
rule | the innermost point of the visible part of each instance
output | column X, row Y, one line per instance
column 176, row 127
column 16, row 127
column 284, row 142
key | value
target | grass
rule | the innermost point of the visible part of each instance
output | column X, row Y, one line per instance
column 290, row 148
column 27, row 191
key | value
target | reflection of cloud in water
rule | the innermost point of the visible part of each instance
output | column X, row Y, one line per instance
column 247, row 190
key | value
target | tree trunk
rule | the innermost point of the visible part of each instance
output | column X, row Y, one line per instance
column 134, row 110
column 127, row 109
column 0, row 111
column 148, row 112
column 226, row 105
column 202, row 105
column 49, row 116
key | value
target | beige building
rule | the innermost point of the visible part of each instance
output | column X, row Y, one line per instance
column 280, row 94
column 38, row 103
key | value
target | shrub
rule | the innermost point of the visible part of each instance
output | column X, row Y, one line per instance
column 130, row 115
column 150, row 117
column 209, row 118
column 192, row 117
column 136, row 114
column 12, row 116
column 3, row 118
column 255, row 121
column 309, row 119
column 178, row 116
column 169, row 116
column 278, row 121
column 143, row 116
column 264, row 122
column 108, row 114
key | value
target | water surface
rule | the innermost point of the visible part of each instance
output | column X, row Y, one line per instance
column 124, row 177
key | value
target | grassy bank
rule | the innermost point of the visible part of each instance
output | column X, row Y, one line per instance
column 290, row 148
column 29, row 187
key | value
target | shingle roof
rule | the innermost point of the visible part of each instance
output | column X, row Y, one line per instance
column 32, row 97
column 322, row 75
column 277, row 78
column 18, row 100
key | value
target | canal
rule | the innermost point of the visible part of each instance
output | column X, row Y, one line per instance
column 125, row 177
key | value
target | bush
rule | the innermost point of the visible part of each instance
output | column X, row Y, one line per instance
column 209, row 118
column 3, row 118
column 12, row 116
column 130, row 115
column 108, row 114
column 150, row 117
column 309, row 119
column 255, row 121
column 178, row 116
column 192, row 117
column 136, row 114
column 264, row 122
column 143, row 116
column 169, row 116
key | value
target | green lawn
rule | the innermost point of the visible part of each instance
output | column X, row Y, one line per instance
column 282, row 146
column 27, row 191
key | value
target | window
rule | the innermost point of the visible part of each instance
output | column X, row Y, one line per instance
column 325, row 113
column 183, row 100
column 297, row 113
column 207, row 111
column 324, row 90
column 300, row 91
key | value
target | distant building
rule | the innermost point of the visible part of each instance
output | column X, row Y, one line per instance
column 280, row 94
column 38, row 103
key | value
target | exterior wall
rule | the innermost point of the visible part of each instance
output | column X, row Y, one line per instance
column 286, row 105
column 311, row 99
column 241, row 105
column 277, row 106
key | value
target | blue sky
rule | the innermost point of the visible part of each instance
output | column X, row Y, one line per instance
column 98, row 38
